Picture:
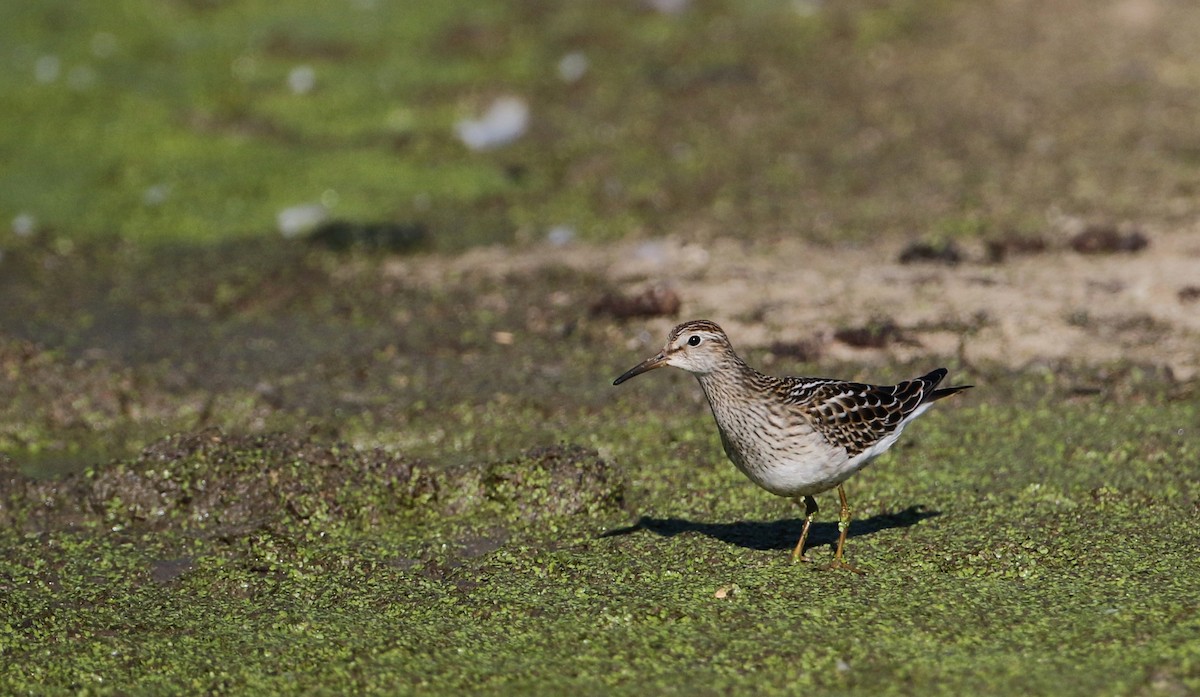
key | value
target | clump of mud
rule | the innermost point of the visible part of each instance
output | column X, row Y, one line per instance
column 655, row 301
column 560, row 480
column 944, row 252
column 345, row 235
column 877, row 333
column 222, row 485
column 218, row 485
column 1101, row 238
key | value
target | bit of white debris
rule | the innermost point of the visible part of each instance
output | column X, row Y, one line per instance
column 156, row 195
column 573, row 66
column 47, row 68
column 24, row 224
column 561, row 235
column 727, row 591
column 669, row 7
column 505, row 121
column 842, row 666
column 653, row 252
column 503, row 338
column 297, row 220
column 302, row 79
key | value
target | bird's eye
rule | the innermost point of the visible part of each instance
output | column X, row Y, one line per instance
column 694, row 340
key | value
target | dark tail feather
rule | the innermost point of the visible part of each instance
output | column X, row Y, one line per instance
column 947, row 391
column 936, row 376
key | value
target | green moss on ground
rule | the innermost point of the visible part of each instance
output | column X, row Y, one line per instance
column 1051, row 552
column 1027, row 535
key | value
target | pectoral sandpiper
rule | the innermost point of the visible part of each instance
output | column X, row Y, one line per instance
column 793, row 436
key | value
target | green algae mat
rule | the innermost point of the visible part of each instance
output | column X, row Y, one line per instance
column 1050, row 552
column 390, row 501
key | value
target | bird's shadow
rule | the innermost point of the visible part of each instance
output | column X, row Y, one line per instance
column 776, row 534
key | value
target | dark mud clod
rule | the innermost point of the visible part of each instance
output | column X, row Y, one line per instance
column 878, row 333
column 345, row 235
column 804, row 350
column 555, row 481
column 931, row 252
column 1103, row 238
column 656, row 301
column 218, row 485
column 212, row 484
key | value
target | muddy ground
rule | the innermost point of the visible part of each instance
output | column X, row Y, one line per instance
column 353, row 450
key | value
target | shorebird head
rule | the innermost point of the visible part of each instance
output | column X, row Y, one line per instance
column 698, row 346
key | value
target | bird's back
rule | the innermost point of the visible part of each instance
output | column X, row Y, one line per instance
column 854, row 415
column 801, row 436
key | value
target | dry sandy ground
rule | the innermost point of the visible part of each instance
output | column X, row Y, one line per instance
column 1071, row 106
column 1051, row 307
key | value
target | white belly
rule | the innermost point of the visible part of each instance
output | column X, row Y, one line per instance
column 796, row 460
column 794, row 475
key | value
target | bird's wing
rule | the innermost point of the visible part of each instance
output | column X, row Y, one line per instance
column 854, row 415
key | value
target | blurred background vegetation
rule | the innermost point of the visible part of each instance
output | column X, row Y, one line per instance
column 203, row 120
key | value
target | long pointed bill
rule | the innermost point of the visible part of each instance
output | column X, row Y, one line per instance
column 647, row 365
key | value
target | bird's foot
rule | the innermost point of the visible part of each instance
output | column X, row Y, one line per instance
column 839, row 563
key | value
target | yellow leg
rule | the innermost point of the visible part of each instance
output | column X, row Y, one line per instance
column 810, row 510
column 843, row 528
